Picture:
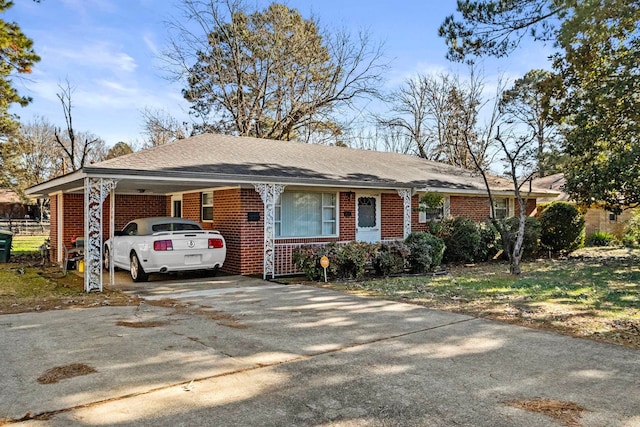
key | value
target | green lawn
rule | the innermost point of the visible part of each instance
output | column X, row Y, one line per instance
column 595, row 295
column 26, row 244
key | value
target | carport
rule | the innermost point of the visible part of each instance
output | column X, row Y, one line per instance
column 99, row 185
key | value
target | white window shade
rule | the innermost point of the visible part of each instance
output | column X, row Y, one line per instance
column 300, row 214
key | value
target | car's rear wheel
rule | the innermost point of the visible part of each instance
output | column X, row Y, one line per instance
column 105, row 259
column 135, row 269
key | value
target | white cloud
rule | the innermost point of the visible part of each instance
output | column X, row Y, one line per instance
column 100, row 54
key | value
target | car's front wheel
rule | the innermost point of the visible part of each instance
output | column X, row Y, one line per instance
column 135, row 269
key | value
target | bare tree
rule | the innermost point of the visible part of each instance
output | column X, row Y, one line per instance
column 30, row 155
column 271, row 73
column 160, row 127
column 438, row 114
column 78, row 148
column 518, row 155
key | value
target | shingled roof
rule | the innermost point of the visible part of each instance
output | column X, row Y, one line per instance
column 244, row 160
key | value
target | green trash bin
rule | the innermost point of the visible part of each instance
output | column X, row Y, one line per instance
column 5, row 245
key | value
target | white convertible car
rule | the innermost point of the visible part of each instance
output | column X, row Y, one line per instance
column 163, row 245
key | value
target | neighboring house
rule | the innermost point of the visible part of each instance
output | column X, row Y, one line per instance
column 12, row 207
column 596, row 217
column 266, row 197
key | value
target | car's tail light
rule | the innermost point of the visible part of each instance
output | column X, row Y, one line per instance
column 162, row 245
column 216, row 243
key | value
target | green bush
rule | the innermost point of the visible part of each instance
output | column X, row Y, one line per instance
column 489, row 242
column 352, row 258
column 307, row 260
column 390, row 258
column 632, row 230
column 532, row 232
column 461, row 237
column 425, row 251
column 602, row 238
column 562, row 227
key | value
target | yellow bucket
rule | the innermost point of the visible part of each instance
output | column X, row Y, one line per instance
column 81, row 266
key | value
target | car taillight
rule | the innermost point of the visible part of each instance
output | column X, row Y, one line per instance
column 216, row 243
column 162, row 245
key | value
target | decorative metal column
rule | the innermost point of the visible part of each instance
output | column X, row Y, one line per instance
column 269, row 194
column 406, row 198
column 96, row 191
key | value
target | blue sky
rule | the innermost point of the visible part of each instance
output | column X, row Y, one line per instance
column 109, row 51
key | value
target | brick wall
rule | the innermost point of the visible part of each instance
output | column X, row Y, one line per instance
column 226, row 209
column 53, row 229
column 73, row 221
column 347, row 223
column 252, row 232
column 476, row 208
column 191, row 206
column 391, row 216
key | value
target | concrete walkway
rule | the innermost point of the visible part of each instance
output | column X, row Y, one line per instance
column 250, row 353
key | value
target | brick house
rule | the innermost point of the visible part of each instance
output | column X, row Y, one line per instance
column 265, row 197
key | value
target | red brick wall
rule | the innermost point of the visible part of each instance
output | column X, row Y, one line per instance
column 226, row 210
column 476, row 208
column 73, row 218
column 132, row 206
column 347, row 223
column 252, row 232
column 530, row 207
column 53, row 229
column 191, row 206
column 391, row 216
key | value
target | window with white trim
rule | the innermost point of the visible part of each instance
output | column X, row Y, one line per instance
column 433, row 214
column 206, row 199
column 500, row 208
column 302, row 214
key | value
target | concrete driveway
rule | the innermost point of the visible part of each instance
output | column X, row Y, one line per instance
column 242, row 352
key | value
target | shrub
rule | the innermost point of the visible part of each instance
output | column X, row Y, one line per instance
column 307, row 260
column 562, row 227
column 390, row 258
column 532, row 232
column 352, row 258
column 632, row 230
column 425, row 251
column 602, row 238
column 461, row 237
column 489, row 242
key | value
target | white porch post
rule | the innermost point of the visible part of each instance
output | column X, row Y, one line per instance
column 269, row 194
column 406, row 198
column 112, row 224
column 95, row 193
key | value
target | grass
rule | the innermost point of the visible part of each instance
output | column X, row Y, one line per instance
column 595, row 294
column 30, row 286
column 21, row 245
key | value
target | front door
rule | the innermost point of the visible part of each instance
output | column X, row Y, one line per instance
column 368, row 218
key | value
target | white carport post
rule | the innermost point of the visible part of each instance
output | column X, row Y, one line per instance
column 269, row 194
column 96, row 191
column 406, row 198
column 112, row 225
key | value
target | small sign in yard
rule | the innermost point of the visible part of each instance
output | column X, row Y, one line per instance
column 324, row 263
